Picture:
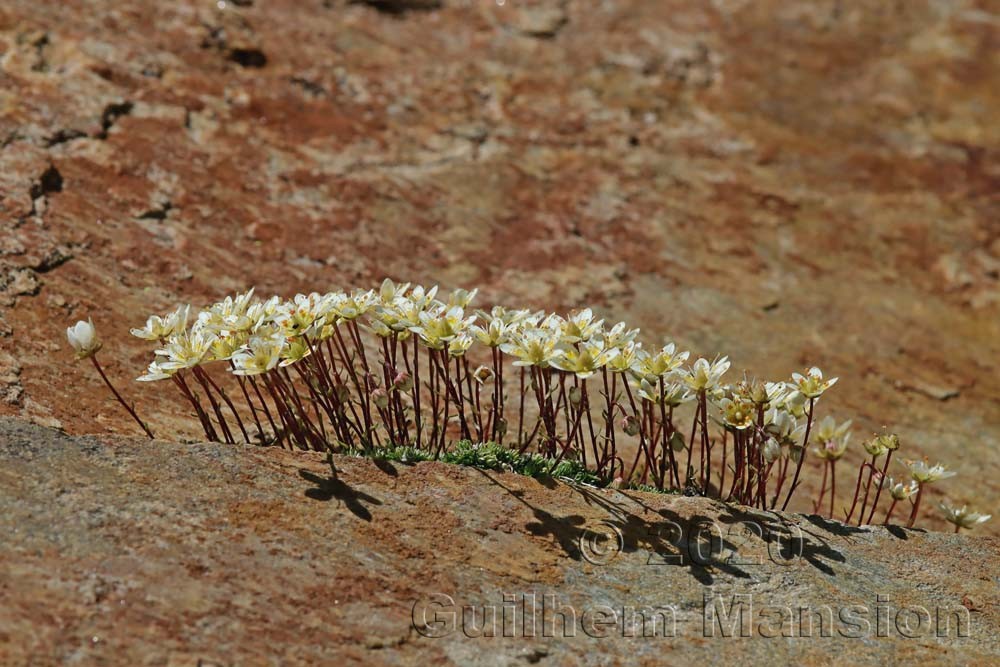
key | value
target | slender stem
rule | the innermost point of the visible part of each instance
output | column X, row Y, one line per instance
column 118, row 396
column 473, row 398
column 198, row 374
column 418, row 420
column 667, row 432
column 520, row 417
column 881, row 484
column 888, row 515
column 229, row 404
column 916, row 506
column 707, row 443
column 642, row 436
column 868, row 488
column 857, row 492
column 687, row 467
column 206, row 423
column 363, row 394
column 802, row 456
column 822, row 488
column 267, row 411
column 833, row 487
column 246, row 396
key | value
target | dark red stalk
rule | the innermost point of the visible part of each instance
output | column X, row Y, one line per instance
column 878, row 494
column 118, row 396
column 802, row 457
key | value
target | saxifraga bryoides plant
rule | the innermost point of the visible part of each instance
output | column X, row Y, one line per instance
column 398, row 369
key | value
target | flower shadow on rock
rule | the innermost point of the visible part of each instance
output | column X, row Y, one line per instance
column 564, row 530
column 328, row 488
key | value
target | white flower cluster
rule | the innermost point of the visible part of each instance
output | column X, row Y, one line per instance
column 255, row 336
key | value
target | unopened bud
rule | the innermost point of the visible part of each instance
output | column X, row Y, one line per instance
column 381, row 398
column 575, row 395
column 890, row 441
column 772, row 450
column 630, row 425
column 677, row 442
column 403, row 381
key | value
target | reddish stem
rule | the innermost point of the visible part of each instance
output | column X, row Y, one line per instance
column 118, row 396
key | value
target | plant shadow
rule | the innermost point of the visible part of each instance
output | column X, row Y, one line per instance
column 706, row 547
column 332, row 487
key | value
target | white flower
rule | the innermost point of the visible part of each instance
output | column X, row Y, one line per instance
column 737, row 413
column 159, row 328
column 461, row 298
column 962, row 517
column 664, row 362
column 923, row 473
column 459, row 345
column 533, row 347
column 259, row 356
column 619, row 335
column 354, row 306
column 585, row 359
column 438, row 327
column 497, row 328
column 228, row 315
column 264, row 312
column 629, row 357
column 705, row 376
column 225, row 346
column 186, row 349
column 812, row 384
column 794, row 402
column 390, row 291
column 900, row 490
column 762, row 393
column 83, row 338
column 832, row 438
column 155, row 372
column 783, row 426
column 295, row 350
column 675, row 394
column 580, row 326
column 304, row 314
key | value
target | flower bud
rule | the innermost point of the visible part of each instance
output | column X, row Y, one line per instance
column 772, row 450
column 403, row 381
column 575, row 395
column 630, row 425
column 381, row 398
column 889, row 441
column 875, row 447
column 83, row 338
